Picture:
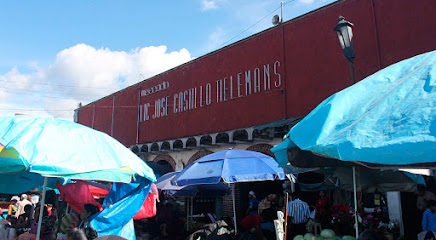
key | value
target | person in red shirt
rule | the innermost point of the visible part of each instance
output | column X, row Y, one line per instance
column 251, row 225
column 322, row 206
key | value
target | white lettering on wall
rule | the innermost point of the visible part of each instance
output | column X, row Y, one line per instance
column 266, row 78
column 256, row 80
column 157, row 88
column 208, row 94
column 278, row 82
column 239, row 84
column 225, row 90
column 249, row 81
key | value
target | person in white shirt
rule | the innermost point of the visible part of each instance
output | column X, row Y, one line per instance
column 298, row 216
column 21, row 204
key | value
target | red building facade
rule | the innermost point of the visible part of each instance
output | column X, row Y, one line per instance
column 280, row 73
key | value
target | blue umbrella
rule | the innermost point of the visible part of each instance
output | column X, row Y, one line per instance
column 165, row 183
column 35, row 150
column 230, row 166
column 386, row 120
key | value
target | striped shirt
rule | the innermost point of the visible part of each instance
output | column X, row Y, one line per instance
column 299, row 211
column 69, row 222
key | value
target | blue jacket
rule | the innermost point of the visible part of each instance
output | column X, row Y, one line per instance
column 429, row 221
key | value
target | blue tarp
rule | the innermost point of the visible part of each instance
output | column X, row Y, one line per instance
column 388, row 118
column 120, row 206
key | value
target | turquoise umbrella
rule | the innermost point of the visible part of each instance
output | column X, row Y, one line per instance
column 35, row 150
column 387, row 120
column 47, row 147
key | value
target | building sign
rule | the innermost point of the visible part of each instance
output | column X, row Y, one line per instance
column 238, row 85
column 154, row 89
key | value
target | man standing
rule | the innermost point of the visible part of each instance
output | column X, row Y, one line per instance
column 253, row 203
column 21, row 204
column 298, row 216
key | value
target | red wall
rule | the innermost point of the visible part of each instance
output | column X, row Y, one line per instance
column 85, row 115
column 312, row 67
column 126, row 115
column 103, row 115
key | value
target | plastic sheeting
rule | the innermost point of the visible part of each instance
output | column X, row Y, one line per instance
column 77, row 195
column 119, row 207
column 388, row 118
column 149, row 208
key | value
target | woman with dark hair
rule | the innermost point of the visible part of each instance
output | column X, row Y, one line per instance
column 47, row 225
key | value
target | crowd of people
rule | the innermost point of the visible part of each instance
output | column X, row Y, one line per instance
column 23, row 216
column 257, row 223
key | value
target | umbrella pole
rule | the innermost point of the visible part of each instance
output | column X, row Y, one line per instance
column 192, row 209
column 234, row 208
column 41, row 210
column 286, row 216
column 355, row 202
column 187, row 213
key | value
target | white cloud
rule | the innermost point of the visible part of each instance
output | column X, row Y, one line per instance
column 208, row 5
column 82, row 74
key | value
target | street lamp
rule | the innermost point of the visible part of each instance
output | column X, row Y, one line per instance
column 345, row 35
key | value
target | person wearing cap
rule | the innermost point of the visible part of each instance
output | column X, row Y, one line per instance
column 12, row 209
column 22, row 204
column 253, row 203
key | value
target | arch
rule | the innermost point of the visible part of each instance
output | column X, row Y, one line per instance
column 265, row 133
column 167, row 159
column 198, row 155
column 262, row 148
column 206, row 140
column 165, row 146
column 240, row 135
column 135, row 149
column 154, row 147
column 178, row 144
column 144, row 148
column 222, row 138
column 191, row 142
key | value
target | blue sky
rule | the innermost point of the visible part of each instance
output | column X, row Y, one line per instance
column 55, row 54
